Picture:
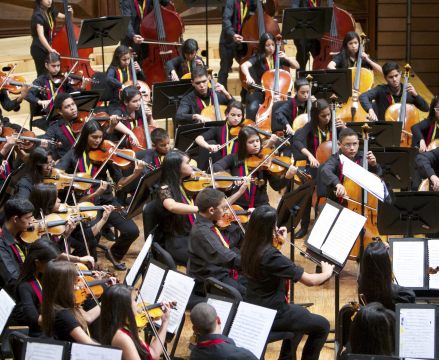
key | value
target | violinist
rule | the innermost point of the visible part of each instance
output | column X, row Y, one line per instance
column 43, row 26
column 257, row 65
column 11, row 105
column 78, row 159
column 267, row 270
column 427, row 130
column 390, row 93
column 6, row 164
column 184, row 63
column 330, row 177
column 210, row 249
column 347, row 57
column 118, row 324
column 192, row 103
column 249, row 143
column 214, row 138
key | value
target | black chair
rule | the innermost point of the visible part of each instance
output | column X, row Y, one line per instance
column 16, row 342
column 343, row 326
column 150, row 218
column 163, row 256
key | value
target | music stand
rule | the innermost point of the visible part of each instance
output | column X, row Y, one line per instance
column 381, row 134
column 185, row 135
column 325, row 83
column 103, row 31
column 410, row 213
column 144, row 189
column 306, row 24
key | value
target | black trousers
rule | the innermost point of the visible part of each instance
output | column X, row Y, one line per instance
column 301, row 321
column 177, row 246
column 39, row 55
column 253, row 101
column 304, row 48
column 227, row 54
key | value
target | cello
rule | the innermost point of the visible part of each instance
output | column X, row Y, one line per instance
column 341, row 23
column 65, row 42
column 153, row 29
column 329, row 147
column 215, row 112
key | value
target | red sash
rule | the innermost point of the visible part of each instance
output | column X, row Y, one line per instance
column 208, row 343
column 36, row 286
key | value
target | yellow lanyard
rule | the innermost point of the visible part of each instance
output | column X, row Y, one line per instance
column 244, row 10
column 69, row 129
column 189, row 201
column 50, row 20
column 313, row 3
column 142, row 8
column 270, row 62
column 120, row 71
column 246, row 174
column 21, row 253
column 215, row 229
column 88, row 168
column 230, row 145
column 320, row 135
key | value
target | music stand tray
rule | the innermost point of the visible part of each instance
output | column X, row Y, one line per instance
column 306, row 23
column 166, row 97
column 381, row 134
column 185, row 135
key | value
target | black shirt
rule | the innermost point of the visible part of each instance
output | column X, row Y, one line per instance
column 424, row 130
column 24, row 187
column 29, row 304
column 116, row 77
column 7, row 103
column 232, row 22
column 307, row 138
column 39, row 18
column 61, row 132
column 342, row 63
column 180, row 65
column 64, row 324
column 284, row 113
column 260, row 66
column 428, row 163
column 221, row 135
column 269, row 288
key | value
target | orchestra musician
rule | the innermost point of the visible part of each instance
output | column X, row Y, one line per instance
column 160, row 147
column 427, row 164
column 11, row 105
column 184, row 63
column 426, row 131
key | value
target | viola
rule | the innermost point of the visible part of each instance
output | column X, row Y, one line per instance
column 26, row 138
column 81, row 182
column 228, row 217
column 85, row 210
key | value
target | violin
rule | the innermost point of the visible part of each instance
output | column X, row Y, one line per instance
column 228, row 217
column 88, row 286
column 155, row 312
column 26, row 138
column 81, row 182
column 14, row 83
column 234, row 131
column 101, row 117
column 85, row 210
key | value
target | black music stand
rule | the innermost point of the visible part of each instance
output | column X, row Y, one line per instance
column 143, row 192
column 166, row 97
column 326, row 83
column 409, row 213
column 185, row 134
column 103, row 31
column 381, row 134
column 371, row 357
column 306, row 24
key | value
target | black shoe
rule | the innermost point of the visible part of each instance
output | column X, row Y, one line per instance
column 301, row 233
column 117, row 265
column 108, row 234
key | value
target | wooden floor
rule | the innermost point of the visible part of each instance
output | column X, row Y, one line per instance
column 16, row 51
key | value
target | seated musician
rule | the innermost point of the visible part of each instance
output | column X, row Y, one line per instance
column 428, row 167
column 348, row 55
column 189, row 110
column 257, row 65
column 11, row 105
column 184, row 63
column 214, row 138
column 210, row 253
column 330, row 177
column 160, row 147
column 249, row 143
column 390, row 93
column 211, row 344
column 118, row 324
column 7, row 163
column 427, row 130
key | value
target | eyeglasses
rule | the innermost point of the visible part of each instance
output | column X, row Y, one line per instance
column 436, row 109
column 349, row 145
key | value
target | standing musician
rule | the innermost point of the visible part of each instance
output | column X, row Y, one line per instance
column 189, row 110
column 330, row 177
column 427, row 130
column 249, row 144
column 43, row 26
column 348, row 55
column 235, row 14
column 184, row 63
column 257, row 65
column 267, row 271
column 390, row 93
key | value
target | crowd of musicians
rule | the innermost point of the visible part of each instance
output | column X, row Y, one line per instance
column 64, row 190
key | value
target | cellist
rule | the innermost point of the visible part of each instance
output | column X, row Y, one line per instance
column 427, row 130
column 184, row 63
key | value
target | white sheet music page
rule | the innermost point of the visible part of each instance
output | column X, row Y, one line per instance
column 417, row 333
column 92, row 352
column 138, row 262
column 322, row 225
column 368, row 181
column 251, row 327
column 6, row 307
column 433, row 261
column 151, row 284
column 342, row 237
column 177, row 287
column 41, row 351
column 408, row 263
column 222, row 308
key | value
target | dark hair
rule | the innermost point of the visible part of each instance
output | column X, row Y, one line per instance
column 129, row 93
column 198, row 71
column 189, row 46
column 43, row 197
column 258, row 237
column 52, row 58
column 17, row 207
column 388, row 67
column 117, row 313
column 299, row 83
column 432, row 113
column 208, row 198
column 203, row 318
column 159, row 134
column 347, row 131
column 43, row 250
column 243, row 136
column 237, row 105
column 59, row 100
column 375, row 279
column 372, row 330
column 262, row 40
column 33, row 166
column 351, row 35
column 316, row 109
column 89, row 128
column 120, row 51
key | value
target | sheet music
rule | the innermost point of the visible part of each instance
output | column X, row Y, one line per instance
column 368, row 181
column 151, row 284
column 92, row 352
column 177, row 287
column 433, row 261
column 6, row 307
column 43, row 351
column 417, row 333
column 222, row 308
column 322, row 225
column 339, row 243
column 251, row 327
column 138, row 262
column 408, row 263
